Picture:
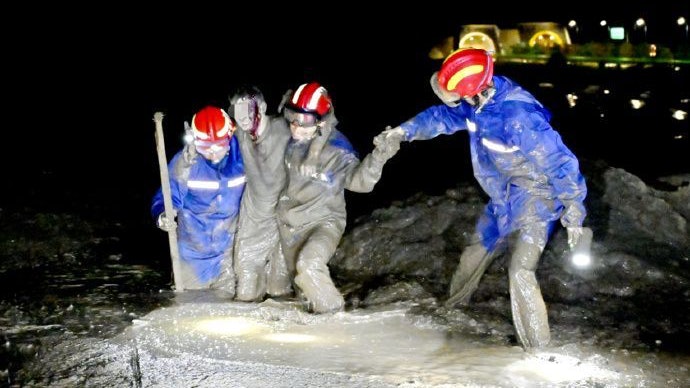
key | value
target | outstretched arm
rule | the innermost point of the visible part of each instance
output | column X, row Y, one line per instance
column 434, row 121
column 364, row 177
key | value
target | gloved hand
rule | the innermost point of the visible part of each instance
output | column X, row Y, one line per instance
column 165, row 224
column 389, row 132
column 388, row 143
column 574, row 236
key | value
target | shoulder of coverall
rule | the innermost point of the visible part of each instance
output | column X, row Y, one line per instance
column 277, row 128
column 277, row 121
column 182, row 161
column 234, row 155
column 189, row 153
column 340, row 142
column 517, row 103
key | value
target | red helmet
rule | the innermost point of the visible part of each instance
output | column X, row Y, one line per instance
column 212, row 124
column 466, row 71
column 310, row 98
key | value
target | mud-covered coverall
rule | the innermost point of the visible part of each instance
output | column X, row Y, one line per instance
column 259, row 263
column 206, row 197
column 532, row 178
column 312, row 211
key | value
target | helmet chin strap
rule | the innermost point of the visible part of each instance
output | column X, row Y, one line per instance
column 480, row 99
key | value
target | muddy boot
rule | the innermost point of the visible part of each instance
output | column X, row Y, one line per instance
column 190, row 279
column 473, row 262
column 319, row 290
column 224, row 286
column 279, row 284
column 250, row 287
column 530, row 317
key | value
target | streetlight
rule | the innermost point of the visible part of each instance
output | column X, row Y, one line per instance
column 572, row 25
column 640, row 23
column 605, row 30
column 682, row 23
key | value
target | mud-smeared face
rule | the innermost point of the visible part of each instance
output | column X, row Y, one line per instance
column 247, row 114
column 301, row 133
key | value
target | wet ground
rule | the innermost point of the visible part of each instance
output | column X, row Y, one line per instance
column 277, row 344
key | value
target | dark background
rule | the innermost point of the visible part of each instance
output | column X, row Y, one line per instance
column 81, row 90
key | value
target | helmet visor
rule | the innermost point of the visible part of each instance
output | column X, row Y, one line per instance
column 300, row 119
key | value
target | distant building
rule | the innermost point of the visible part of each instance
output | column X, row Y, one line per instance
column 490, row 37
column 538, row 41
column 547, row 35
column 484, row 36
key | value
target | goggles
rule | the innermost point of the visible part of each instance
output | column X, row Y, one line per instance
column 211, row 147
column 300, row 119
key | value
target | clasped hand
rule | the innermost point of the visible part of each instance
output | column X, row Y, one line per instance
column 388, row 142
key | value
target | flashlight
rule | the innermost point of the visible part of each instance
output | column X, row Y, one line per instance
column 581, row 252
column 188, row 137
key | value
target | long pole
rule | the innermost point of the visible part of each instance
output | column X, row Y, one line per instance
column 167, row 202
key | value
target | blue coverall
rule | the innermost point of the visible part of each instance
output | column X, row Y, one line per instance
column 532, row 180
column 207, row 199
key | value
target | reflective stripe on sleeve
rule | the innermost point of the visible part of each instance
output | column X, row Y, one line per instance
column 472, row 127
column 237, row 181
column 498, row 147
column 209, row 185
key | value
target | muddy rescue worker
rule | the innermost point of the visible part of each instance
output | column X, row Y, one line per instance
column 259, row 263
column 321, row 163
column 531, row 177
column 206, row 182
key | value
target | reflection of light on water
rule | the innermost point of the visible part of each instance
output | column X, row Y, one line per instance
column 292, row 338
column 239, row 326
column 558, row 368
column 227, row 326
column 388, row 345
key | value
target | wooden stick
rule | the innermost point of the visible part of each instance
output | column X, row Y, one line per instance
column 167, row 202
